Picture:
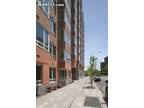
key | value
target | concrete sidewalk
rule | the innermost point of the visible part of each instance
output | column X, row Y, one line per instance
column 71, row 96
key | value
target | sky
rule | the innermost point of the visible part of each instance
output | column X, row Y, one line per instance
column 96, row 29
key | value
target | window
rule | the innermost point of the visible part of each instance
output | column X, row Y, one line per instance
column 75, row 51
column 67, row 39
column 39, row 32
column 52, row 74
column 67, row 20
column 52, row 49
column 52, row 25
column 65, row 56
column 62, row 54
column 62, row 35
column 55, row 2
column 62, row 74
column 75, row 41
column 44, row 5
column 41, row 36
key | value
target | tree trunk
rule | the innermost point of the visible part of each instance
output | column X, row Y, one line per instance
column 91, row 82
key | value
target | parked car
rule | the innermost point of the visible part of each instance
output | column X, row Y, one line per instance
column 106, row 91
column 97, row 79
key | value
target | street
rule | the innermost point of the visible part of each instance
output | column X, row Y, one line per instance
column 75, row 95
column 101, row 84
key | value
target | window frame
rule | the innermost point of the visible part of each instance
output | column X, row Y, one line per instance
column 45, row 34
column 52, row 74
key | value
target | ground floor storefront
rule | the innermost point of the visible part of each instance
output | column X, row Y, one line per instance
column 48, row 78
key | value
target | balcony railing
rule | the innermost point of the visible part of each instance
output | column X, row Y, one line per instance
column 41, row 45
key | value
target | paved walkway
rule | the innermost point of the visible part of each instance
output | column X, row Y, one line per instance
column 70, row 96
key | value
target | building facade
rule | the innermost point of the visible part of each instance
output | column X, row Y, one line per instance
column 64, row 42
column 77, row 34
column 46, row 43
column 104, row 66
column 59, row 41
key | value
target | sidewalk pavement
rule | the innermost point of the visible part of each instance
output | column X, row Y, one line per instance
column 71, row 96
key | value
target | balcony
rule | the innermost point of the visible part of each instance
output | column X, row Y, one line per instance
column 41, row 45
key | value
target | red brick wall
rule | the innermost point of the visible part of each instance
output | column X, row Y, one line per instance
column 45, row 74
column 42, row 56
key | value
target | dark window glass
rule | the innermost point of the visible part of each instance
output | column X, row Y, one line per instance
column 52, row 74
column 62, row 35
column 54, row 27
column 54, row 50
column 62, row 74
column 51, row 48
column 39, row 32
column 62, row 54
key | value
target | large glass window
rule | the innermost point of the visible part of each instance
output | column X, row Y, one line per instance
column 41, row 36
column 67, row 39
column 39, row 32
column 65, row 56
column 67, row 20
column 52, row 25
column 52, row 74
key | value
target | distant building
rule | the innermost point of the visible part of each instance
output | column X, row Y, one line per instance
column 104, row 66
column 106, row 60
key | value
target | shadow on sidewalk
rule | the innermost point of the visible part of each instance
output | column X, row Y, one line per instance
column 88, row 87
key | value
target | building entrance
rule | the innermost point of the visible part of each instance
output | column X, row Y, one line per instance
column 38, row 72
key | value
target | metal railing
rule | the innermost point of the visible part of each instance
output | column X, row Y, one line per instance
column 41, row 45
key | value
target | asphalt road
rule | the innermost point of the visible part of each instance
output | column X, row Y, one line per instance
column 101, row 84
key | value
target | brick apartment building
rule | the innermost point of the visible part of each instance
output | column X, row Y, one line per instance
column 77, row 34
column 59, row 42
